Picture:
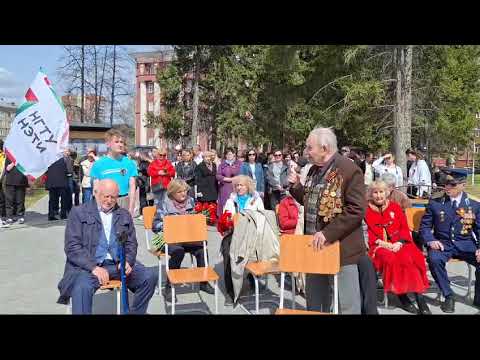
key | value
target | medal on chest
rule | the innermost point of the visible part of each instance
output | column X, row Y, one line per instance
column 442, row 216
column 467, row 218
column 331, row 203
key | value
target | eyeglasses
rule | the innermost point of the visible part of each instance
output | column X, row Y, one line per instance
column 278, row 154
column 162, row 154
column 252, row 154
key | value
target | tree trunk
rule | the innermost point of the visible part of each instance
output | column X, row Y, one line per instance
column 82, row 86
column 402, row 130
column 95, row 72
column 196, row 74
column 99, row 103
column 113, row 83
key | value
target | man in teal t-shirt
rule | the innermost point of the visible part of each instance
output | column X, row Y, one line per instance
column 117, row 167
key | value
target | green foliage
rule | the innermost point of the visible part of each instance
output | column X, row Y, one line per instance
column 290, row 89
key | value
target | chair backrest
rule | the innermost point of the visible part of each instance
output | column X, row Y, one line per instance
column 277, row 207
column 235, row 218
column 148, row 215
column 414, row 217
column 185, row 228
column 297, row 255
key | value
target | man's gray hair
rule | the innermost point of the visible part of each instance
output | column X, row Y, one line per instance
column 325, row 137
column 389, row 179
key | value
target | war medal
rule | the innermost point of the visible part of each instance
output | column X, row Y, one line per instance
column 442, row 216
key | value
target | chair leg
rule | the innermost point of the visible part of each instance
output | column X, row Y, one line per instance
column 469, row 286
column 335, row 294
column 173, row 299
column 69, row 308
column 257, row 295
column 293, row 290
column 386, row 299
column 117, row 293
column 216, row 296
column 282, row 284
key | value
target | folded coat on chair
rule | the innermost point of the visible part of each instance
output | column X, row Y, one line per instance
column 255, row 238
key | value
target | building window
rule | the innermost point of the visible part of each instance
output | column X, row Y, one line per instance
column 150, row 87
column 150, row 106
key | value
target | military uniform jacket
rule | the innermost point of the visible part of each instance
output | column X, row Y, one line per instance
column 452, row 227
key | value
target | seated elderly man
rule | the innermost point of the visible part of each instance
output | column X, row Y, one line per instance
column 455, row 221
column 92, row 253
column 395, row 194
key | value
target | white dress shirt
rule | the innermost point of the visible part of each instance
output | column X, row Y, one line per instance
column 107, row 227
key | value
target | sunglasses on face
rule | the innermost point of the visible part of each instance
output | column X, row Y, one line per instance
column 278, row 154
column 251, row 154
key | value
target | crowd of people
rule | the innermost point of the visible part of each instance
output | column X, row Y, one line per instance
column 333, row 195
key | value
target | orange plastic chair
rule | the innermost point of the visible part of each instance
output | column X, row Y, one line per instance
column 114, row 285
column 414, row 217
column 148, row 216
column 297, row 255
column 179, row 229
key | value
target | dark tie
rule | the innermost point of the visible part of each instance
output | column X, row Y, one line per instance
column 454, row 204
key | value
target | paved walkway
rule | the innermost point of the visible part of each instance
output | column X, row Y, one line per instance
column 33, row 260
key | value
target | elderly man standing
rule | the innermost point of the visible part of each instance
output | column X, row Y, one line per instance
column 334, row 200
column 92, row 253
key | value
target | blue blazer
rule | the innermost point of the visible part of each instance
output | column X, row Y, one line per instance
column 259, row 176
column 446, row 224
column 81, row 241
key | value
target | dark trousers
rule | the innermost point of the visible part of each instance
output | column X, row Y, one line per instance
column 368, row 285
column 142, row 194
column 227, row 270
column 54, row 196
column 437, row 261
column 177, row 253
column 141, row 281
column 68, row 195
column 3, row 210
column 86, row 195
column 76, row 192
column 15, row 201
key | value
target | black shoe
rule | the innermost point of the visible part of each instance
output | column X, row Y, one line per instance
column 448, row 306
column 63, row 217
column 423, row 308
column 207, row 288
column 407, row 304
column 52, row 218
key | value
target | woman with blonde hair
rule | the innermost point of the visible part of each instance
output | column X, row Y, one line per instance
column 393, row 252
column 244, row 196
column 178, row 202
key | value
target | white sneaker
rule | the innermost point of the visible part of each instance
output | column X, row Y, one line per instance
column 4, row 224
column 21, row 220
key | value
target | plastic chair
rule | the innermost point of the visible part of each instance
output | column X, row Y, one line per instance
column 148, row 216
column 188, row 229
column 114, row 285
column 297, row 255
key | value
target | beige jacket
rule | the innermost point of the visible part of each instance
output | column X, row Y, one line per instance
column 255, row 238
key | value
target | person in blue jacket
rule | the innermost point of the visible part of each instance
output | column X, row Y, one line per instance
column 254, row 169
column 450, row 229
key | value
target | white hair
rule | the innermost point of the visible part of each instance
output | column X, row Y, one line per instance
column 389, row 179
column 325, row 137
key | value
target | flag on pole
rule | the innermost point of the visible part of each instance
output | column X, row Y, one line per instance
column 39, row 132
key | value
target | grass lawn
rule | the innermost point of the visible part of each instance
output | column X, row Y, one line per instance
column 33, row 195
column 473, row 189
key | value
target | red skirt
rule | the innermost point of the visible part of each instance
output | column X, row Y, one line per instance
column 402, row 272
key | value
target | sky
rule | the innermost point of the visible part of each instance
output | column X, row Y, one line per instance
column 20, row 63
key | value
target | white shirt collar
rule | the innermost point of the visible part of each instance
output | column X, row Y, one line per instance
column 457, row 199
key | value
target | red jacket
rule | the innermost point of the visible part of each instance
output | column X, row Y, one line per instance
column 157, row 165
column 287, row 215
column 393, row 220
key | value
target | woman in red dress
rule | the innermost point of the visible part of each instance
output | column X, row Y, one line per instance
column 393, row 251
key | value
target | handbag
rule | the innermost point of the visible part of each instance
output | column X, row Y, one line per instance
column 150, row 195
